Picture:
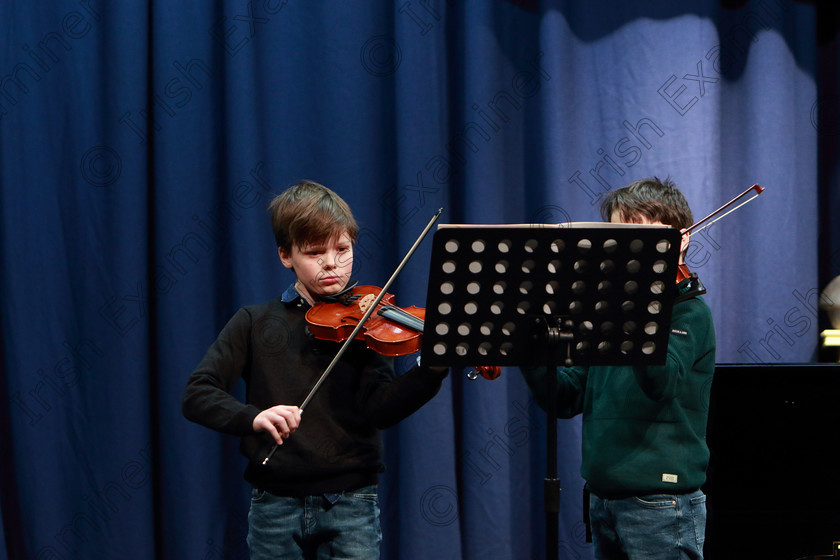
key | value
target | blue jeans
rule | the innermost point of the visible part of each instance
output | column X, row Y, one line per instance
column 330, row 526
column 657, row 527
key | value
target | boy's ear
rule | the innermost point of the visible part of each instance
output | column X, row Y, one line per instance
column 285, row 257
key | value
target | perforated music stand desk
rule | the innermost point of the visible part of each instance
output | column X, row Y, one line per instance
column 586, row 293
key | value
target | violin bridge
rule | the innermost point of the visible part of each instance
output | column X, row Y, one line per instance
column 366, row 302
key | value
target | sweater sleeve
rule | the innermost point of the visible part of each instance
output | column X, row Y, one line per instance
column 208, row 398
column 386, row 399
column 690, row 346
column 571, row 386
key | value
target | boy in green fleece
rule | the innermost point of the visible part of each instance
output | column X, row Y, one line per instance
column 644, row 427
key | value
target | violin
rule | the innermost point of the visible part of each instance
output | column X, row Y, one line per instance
column 683, row 273
column 389, row 330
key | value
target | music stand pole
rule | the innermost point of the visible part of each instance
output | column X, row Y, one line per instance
column 554, row 335
column 551, row 484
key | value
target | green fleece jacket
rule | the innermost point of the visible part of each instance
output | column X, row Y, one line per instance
column 644, row 428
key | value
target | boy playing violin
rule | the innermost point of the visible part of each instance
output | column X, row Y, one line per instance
column 644, row 453
column 326, row 467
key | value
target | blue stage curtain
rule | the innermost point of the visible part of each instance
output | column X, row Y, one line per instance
column 140, row 143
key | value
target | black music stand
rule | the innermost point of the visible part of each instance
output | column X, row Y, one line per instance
column 587, row 293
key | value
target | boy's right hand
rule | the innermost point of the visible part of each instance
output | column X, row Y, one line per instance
column 279, row 421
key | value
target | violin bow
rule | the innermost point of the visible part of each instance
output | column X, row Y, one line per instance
column 724, row 210
column 363, row 320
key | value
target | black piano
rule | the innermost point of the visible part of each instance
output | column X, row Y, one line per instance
column 773, row 485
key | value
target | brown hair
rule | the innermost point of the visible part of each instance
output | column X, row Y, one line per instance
column 309, row 212
column 658, row 201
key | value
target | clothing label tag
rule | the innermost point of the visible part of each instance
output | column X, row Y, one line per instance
column 679, row 332
column 672, row 478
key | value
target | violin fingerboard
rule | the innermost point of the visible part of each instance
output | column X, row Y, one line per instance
column 400, row 317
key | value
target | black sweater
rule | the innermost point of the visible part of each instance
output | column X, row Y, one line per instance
column 337, row 445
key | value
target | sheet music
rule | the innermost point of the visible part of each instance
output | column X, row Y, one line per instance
column 563, row 225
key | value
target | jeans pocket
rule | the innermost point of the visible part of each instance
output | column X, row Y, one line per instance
column 698, row 515
column 656, row 501
column 366, row 494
